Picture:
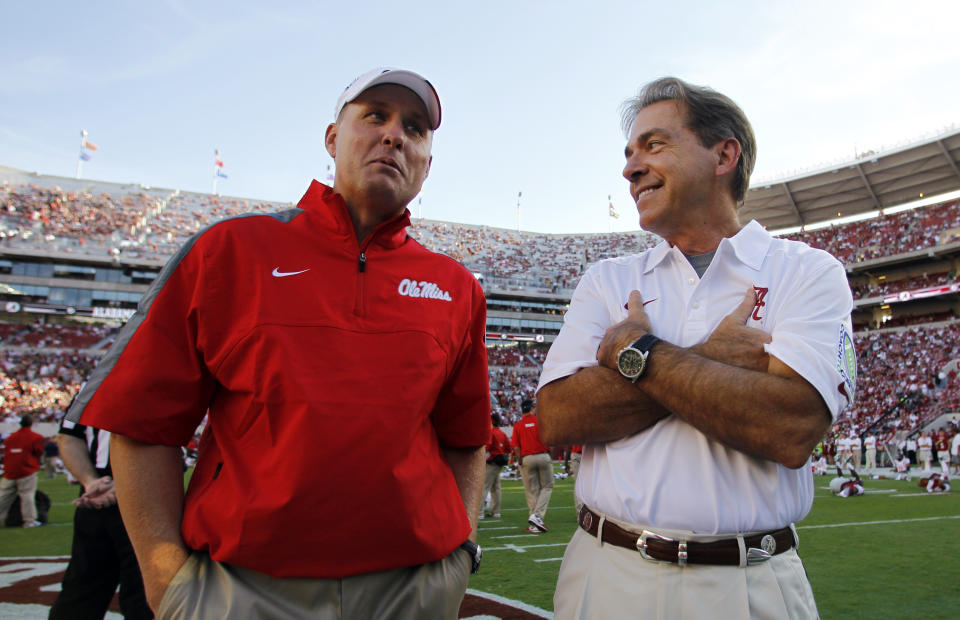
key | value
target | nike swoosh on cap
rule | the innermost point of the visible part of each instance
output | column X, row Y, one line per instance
column 283, row 274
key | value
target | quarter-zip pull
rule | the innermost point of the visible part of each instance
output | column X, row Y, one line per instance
column 363, row 262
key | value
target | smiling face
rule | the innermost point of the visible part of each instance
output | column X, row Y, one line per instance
column 672, row 176
column 381, row 144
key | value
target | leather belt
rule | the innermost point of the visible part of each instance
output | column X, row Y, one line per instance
column 756, row 548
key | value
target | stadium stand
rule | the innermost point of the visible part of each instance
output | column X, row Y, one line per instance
column 76, row 250
column 887, row 235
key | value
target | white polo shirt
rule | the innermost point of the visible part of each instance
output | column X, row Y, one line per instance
column 843, row 448
column 671, row 475
column 870, row 443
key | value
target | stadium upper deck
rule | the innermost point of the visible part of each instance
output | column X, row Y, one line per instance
column 74, row 248
column 89, row 248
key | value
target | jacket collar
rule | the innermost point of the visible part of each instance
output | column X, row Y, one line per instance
column 331, row 211
column 749, row 244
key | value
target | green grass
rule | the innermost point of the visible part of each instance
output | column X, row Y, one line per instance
column 884, row 570
column 55, row 537
column 888, row 570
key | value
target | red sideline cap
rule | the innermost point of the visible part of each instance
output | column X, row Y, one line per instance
column 385, row 75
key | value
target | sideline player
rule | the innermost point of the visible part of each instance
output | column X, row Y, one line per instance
column 941, row 442
column 22, row 452
column 819, row 465
column 902, row 466
column 870, row 450
column 955, row 452
column 925, row 451
column 936, row 483
column 326, row 320
column 533, row 458
column 498, row 454
column 699, row 375
column 843, row 486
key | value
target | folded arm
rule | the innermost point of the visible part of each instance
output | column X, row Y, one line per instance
column 728, row 388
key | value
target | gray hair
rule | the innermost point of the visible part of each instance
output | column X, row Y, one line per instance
column 710, row 115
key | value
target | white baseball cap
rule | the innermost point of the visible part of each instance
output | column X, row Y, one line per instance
column 385, row 75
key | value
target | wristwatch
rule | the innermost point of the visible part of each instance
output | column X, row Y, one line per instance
column 632, row 359
column 475, row 554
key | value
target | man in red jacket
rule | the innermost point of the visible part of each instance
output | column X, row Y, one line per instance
column 21, row 462
column 534, row 460
column 325, row 320
column 498, row 451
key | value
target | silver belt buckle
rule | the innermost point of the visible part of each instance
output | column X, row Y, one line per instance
column 768, row 547
column 642, row 545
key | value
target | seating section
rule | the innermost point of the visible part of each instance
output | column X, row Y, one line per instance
column 44, row 364
column 896, row 373
column 888, row 235
column 41, row 382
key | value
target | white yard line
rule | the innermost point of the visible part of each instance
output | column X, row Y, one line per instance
column 524, row 548
column 826, row 525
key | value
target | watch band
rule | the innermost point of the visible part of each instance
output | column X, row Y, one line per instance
column 645, row 343
column 475, row 554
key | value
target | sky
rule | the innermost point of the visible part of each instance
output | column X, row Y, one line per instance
column 531, row 90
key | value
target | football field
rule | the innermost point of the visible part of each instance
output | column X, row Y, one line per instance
column 892, row 553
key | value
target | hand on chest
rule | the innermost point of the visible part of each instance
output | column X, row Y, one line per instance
column 687, row 310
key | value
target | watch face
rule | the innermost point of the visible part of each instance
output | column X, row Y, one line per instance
column 630, row 362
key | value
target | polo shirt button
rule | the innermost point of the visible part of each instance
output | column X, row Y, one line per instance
column 696, row 305
column 691, row 281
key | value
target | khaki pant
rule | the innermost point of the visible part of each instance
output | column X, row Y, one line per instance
column 538, row 482
column 857, row 458
column 491, row 485
column 205, row 589
column 606, row 581
column 26, row 488
column 871, row 461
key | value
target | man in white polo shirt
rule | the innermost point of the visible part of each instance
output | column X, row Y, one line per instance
column 700, row 375
column 856, row 450
column 870, row 449
column 844, row 453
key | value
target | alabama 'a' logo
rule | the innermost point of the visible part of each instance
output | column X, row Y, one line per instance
column 761, row 292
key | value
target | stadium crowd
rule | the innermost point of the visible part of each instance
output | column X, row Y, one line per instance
column 887, row 235
column 44, row 363
column 41, row 382
column 135, row 222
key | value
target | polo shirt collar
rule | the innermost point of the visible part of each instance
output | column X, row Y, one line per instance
column 657, row 255
column 749, row 244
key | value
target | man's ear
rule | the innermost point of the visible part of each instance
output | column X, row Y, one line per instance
column 330, row 139
column 728, row 155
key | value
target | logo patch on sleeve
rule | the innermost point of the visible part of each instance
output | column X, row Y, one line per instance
column 847, row 362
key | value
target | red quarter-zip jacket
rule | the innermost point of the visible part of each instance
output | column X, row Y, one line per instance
column 333, row 371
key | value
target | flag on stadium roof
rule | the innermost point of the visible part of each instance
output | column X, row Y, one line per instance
column 86, row 147
column 613, row 212
column 218, row 162
column 221, row 174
